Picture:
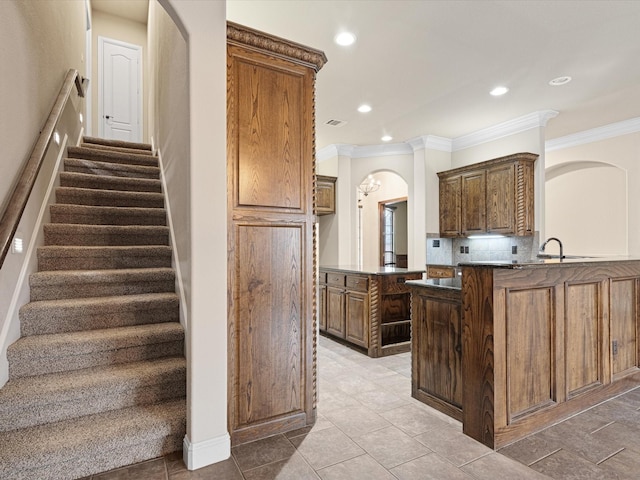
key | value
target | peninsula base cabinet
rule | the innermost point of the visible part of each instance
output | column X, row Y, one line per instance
column 542, row 344
column 367, row 310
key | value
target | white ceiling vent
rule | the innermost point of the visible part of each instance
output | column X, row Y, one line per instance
column 336, row 123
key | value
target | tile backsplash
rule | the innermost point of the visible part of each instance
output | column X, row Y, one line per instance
column 447, row 251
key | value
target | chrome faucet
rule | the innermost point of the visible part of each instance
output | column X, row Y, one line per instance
column 559, row 243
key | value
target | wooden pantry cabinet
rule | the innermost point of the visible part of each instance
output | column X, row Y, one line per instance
column 271, row 239
column 495, row 196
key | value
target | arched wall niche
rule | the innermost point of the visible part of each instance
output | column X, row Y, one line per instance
column 586, row 206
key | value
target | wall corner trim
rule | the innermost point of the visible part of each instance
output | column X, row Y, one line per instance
column 201, row 454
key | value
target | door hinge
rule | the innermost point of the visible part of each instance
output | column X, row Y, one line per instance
column 614, row 347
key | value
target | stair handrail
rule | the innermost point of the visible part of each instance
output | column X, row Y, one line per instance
column 21, row 192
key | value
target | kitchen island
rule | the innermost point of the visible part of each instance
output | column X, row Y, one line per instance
column 539, row 342
column 367, row 307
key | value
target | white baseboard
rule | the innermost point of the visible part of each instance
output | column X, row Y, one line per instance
column 201, row 454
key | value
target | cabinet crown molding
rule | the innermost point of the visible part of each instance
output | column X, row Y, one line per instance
column 248, row 37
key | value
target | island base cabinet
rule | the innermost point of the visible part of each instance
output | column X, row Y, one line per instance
column 542, row 344
column 436, row 377
column 368, row 311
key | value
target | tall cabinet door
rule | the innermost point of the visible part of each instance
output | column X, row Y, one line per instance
column 501, row 193
column 271, row 281
column 474, row 210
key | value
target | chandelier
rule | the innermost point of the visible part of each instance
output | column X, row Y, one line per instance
column 369, row 185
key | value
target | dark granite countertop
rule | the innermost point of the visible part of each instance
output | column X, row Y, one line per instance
column 546, row 261
column 369, row 269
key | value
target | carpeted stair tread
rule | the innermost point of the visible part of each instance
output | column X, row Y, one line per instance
column 116, row 149
column 93, row 443
column 114, row 157
column 80, row 234
column 116, row 143
column 108, row 198
column 30, row 401
column 56, row 257
column 111, row 169
column 96, row 215
column 103, row 182
column 51, row 285
column 93, row 313
column 97, row 380
column 59, row 352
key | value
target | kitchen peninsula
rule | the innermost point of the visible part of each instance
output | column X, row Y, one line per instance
column 367, row 307
column 516, row 347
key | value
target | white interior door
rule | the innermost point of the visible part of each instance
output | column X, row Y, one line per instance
column 120, row 90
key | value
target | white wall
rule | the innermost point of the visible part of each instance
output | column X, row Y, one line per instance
column 39, row 42
column 129, row 31
column 203, row 26
column 170, row 135
column 592, row 196
column 392, row 186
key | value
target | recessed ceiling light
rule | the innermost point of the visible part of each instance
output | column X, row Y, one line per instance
column 364, row 108
column 345, row 39
column 386, row 138
column 556, row 82
column 496, row 92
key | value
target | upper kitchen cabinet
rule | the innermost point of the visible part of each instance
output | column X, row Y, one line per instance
column 271, row 240
column 325, row 195
column 495, row 196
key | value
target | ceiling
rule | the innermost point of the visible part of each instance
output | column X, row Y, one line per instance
column 136, row 10
column 426, row 67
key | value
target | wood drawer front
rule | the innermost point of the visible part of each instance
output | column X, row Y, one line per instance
column 358, row 283
column 440, row 271
column 336, row 279
column 322, row 278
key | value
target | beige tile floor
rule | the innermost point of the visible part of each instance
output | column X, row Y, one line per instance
column 370, row 428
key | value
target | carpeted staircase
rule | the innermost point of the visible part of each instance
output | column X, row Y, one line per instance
column 98, row 378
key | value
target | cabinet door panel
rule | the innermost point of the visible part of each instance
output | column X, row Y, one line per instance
column 335, row 311
column 270, row 324
column 529, row 350
column 450, row 191
column 357, row 318
column 322, row 307
column 270, row 140
column 623, row 318
column 440, row 372
column 474, row 210
column 501, row 199
column 583, row 325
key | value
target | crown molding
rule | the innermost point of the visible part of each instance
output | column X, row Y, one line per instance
column 511, row 127
column 504, row 129
column 594, row 135
column 431, row 142
column 364, row 151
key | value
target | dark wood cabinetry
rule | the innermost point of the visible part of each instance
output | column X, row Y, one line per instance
column 367, row 309
column 436, row 377
column 271, row 288
column 543, row 343
column 495, row 196
column 325, row 195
